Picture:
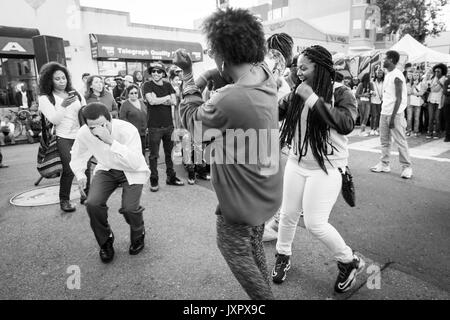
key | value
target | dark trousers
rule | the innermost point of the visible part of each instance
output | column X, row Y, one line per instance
column 143, row 144
column 375, row 111
column 423, row 118
column 156, row 135
column 446, row 109
column 65, row 183
column 433, row 118
column 242, row 248
column 103, row 185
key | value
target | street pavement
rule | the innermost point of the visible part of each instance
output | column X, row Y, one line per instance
column 400, row 227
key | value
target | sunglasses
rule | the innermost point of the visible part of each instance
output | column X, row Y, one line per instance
column 133, row 92
column 157, row 71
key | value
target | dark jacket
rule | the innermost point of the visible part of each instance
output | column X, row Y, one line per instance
column 138, row 118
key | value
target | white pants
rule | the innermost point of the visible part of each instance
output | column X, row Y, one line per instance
column 314, row 192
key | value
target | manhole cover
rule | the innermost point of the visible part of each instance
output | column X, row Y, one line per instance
column 42, row 196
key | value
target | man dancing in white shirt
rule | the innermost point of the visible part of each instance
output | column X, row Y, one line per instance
column 116, row 145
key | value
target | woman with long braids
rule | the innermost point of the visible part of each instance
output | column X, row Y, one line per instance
column 315, row 129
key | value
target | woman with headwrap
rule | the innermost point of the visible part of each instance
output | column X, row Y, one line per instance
column 314, row 127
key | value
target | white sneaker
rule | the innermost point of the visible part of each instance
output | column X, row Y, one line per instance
column 372, row 132
column 407, row 173
column 269, row 234
column 380, row 167
column 273, row 224
column 376, row 132
column 364, row 134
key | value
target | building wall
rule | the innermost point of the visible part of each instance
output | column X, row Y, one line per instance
column 304, row 35
column 67, row 20
column 440, row 43
column 311, row 9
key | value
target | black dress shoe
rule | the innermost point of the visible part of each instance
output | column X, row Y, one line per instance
column 174, row 181
column 107, row 250
column 66, row 206
column 137, row 245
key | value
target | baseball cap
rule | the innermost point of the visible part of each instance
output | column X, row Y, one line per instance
column 129, row 78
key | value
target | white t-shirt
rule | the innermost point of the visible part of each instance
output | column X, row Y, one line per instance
column 389, row 93
column 65, row 119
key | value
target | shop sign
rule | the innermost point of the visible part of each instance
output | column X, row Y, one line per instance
column 140, row 49
column 17, row 46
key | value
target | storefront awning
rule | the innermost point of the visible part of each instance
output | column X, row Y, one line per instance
column 114, row 47
column 17, row 41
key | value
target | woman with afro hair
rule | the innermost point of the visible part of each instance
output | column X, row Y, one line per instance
column 60, row 104
column 314, row 128
column 247, row 182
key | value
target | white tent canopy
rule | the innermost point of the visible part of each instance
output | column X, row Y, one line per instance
column 418, row 53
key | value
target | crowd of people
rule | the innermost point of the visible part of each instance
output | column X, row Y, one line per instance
column 427, row 101
column 259, row 85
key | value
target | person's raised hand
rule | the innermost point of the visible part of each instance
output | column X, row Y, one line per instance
column 68, row 101
column 304, row 91
column 103, row 134
column 183, row 60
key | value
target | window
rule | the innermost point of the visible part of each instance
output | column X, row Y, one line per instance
column 133, row 66
column 111, row 68
column 16, row 74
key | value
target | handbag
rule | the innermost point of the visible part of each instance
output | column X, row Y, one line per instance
column 348, row 188
column 49, row 163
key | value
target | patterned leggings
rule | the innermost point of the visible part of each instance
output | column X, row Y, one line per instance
column 242, row 248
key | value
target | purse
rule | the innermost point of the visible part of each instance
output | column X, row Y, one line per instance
column 49, row 163
column 348, row 188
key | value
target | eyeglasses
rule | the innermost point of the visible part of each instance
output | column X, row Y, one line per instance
column 157, row 71
column 210, row 53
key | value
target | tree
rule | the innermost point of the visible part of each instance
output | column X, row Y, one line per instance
column 419, row 18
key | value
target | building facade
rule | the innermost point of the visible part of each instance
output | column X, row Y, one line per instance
column 96, row 41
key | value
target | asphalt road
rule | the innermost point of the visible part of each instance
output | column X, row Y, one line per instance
column 401, row 224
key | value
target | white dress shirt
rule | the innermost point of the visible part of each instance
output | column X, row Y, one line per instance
column 125, row 153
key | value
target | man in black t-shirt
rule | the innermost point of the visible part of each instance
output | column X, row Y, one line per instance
column 160, row 96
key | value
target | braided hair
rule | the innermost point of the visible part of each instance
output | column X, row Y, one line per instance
column 283, row 43
column 317, row 132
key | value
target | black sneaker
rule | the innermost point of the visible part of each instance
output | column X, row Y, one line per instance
column 154, row 184
column 107, row 250
column 174, row 181
column 347, row 274
column 282, row 265
column 137, row 245
column 191, row 177
column 204, row 176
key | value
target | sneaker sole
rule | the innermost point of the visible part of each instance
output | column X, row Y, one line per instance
column 284, row 278
column 381, row 171
column 361, row 266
